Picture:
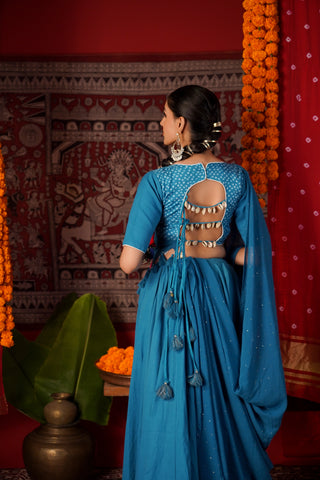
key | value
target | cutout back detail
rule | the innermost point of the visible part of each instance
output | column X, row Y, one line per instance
column 204, row 209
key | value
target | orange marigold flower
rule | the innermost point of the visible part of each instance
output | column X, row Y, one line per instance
column 247, row 125
column 258, row 106
column 272, row 86
column 271, row 122
column 259, row 83
column 272, row 98
column 258, row 71
column 258, row 117
column 258, row 9
column 272, row 154
column 117, row 360
column 271, row 23
column 258, row 55
column 259, row 33
column 271, row 62
column 272, row 36
column 273, row 176
column 258, row 20
column 246, row 42
column 247, row 27
column 247, row 16
column 258, row 157
column 272, row 49
column 262, row 188
column 6, row 339
column 262, row 202
column 246, row 53
column 259, row 144
column 272, row 112
column 272, row 74
column 246, row 141
column 246, row 65
column 272, row 167
column 248, row 4
column 258, row 97
column 271, row 10
column 246, row 102
column 247, row 91
column 259, row 132
column 9, row 325
column 246, row 165
column 258, row 44
column 246, row 155
column 255, row 178
column 273, row 132
column 272, row 142
column 247, row 79
column 246, row 116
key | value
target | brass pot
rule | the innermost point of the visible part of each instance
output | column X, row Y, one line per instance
column 60, row 449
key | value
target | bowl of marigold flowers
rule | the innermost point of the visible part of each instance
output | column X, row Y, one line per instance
column 116, row 365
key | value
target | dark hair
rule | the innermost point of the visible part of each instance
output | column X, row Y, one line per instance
column 201, row 108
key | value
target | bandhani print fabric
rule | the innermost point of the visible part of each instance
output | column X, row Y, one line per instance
column 294, row 213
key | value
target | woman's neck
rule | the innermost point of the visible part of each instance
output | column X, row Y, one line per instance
column 204, row 158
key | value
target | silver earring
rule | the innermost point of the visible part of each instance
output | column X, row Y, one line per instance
column 177, row 149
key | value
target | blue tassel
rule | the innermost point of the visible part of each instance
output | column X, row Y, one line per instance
column 192, row 334
column 173, row 311
column 165, row 391
column 177, row 342
column 168, row 300
column 195, row 380
column 171, row 305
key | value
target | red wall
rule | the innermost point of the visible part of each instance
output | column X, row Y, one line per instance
column 100, row 27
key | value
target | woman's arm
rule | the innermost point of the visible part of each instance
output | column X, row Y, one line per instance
column 239, row 259
column 130, row 259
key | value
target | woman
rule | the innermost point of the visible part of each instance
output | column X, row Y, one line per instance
column 207, row 391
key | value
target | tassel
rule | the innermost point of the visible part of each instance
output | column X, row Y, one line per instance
column 168, row 300
column 165, row 391
column 195, row 380
column 192, row 334
column 177, row 342
column 171, row 305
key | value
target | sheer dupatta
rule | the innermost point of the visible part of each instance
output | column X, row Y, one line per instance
column 261, row 381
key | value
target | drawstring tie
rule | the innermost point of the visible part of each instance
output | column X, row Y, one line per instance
column 174, row 306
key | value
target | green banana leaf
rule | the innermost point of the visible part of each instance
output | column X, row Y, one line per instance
column 63, row 360
column 20, row 363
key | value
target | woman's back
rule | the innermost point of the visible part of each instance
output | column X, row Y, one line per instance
column 201, row 197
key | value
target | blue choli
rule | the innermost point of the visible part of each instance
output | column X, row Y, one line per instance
column 166, row 189
column 200, row 324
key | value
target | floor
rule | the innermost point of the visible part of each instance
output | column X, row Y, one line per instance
column 309, row 472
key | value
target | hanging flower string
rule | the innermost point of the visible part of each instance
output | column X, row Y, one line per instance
column 6, row 317
column 260, row 97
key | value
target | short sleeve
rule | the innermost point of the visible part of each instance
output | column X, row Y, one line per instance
column 145, row 213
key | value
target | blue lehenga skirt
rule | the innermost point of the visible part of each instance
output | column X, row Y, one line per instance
column 202, row 432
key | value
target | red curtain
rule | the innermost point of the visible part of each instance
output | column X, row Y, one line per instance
column 294, row 200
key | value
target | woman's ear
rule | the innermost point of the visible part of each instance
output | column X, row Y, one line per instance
column 181, row 124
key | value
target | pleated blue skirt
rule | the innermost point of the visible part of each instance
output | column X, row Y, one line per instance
column 202, row 432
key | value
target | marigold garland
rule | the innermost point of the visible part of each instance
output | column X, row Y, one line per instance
column 117, row 360
column 6, row 316
column 260, row 93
